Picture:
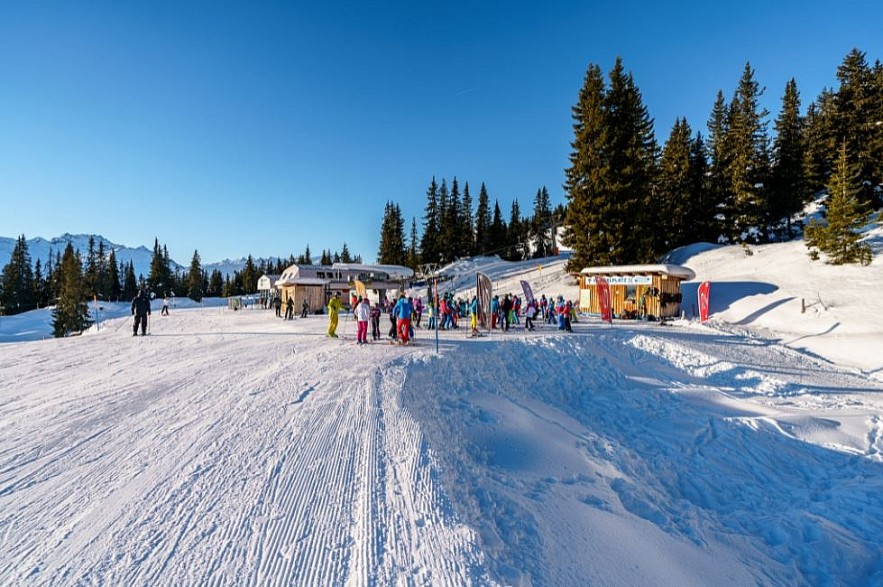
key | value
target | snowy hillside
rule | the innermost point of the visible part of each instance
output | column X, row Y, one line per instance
column 234, row 448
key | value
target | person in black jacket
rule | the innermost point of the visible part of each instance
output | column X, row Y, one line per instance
column 141, row 310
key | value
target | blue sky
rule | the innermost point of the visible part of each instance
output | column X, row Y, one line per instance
column 238, row 128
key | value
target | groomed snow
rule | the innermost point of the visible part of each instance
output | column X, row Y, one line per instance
column 234, row 448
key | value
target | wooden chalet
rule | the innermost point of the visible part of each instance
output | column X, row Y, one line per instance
column 636, row 291
column 318, row 283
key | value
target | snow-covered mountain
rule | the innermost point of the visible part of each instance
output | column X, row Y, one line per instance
column 40, row 248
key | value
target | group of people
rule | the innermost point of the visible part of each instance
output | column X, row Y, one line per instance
column 289, row 308
column 401, row 313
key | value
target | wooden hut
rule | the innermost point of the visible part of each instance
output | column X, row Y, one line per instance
column 636, row 291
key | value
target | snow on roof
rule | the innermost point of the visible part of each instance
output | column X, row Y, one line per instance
column 394, row 271
column 301, row 281
column 673, row 270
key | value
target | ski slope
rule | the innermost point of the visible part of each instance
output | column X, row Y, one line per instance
column 234, row 448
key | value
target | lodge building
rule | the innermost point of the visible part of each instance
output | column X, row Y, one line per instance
column 636, row 291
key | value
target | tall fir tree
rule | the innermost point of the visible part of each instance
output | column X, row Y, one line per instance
column 71, row 313
column 413, row 258
column 392, row 242
column 748, row 143
column 345, row 256
column 846, row 215
column 858, row 123
column 720, row 161
column 516, row 237
column 482, row 222
column 497, row 232
column 430, row 245
column 451, row 234
column 586, row 177
column 701, row 207
column 788, row 185
column 673, row 192
column 18, row 280
column 467, row 224
column 160, row 277
column 195, row 279
column 821, row 141
column 541, row 224
column 610, row 181
column 114, row 289
column 632, row 169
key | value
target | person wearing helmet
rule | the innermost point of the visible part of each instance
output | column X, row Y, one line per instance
column 334, row 306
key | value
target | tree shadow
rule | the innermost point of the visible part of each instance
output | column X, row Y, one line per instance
column 724, row 294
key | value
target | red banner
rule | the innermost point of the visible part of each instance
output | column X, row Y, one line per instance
column 604, row 299
column 704, row 292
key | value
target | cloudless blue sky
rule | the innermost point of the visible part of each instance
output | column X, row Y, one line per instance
column 237, row 128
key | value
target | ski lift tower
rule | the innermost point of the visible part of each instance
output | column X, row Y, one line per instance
column 429, row 272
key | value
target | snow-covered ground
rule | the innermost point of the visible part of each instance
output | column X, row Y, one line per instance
column 234, row 448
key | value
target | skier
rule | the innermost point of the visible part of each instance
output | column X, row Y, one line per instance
column 141, row 310
column 289, row 309
column 362, row 313
column 334, row 306
column 165, row 306
column 304, row 308
column 375, row 321
column 277, row 304
column 402, row 313
column 529, row 314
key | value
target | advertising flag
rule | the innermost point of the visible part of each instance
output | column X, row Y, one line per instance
column 360, row 288
column 704, row 293
column 485, row 291
column 604, row 299
column 528, row 294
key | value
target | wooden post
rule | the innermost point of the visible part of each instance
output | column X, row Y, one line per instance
column 802, row 305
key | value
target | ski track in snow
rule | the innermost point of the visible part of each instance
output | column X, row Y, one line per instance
column 234, row 448
column 207, row 459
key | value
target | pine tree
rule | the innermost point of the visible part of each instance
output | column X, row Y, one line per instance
column 249, row 276
column 71, row 313
column 846, row 216
column 444, row 224
column 610, row 181
column 392, row 244
column 482, row 222
column 857, row 102
column 345, row 256
column 467, row 224
column 632, row 170
column 195, row 279
column 821, row 141
column 130, row 282
column 719, row 158
column 451, row 231
column 585, row 179
column 702, row 206
column 788, row 186
column 674, row 192
column 430, row 246
column 41, row 290
column 114, row 291
column 541, row 224
column 497, row 232
column 748, row 143
column 215, row 284
column 18, row 280
column 90, row 277
column 160, row 277
column 413, row 259
column 325, row 260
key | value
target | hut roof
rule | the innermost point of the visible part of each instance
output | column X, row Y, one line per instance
column 673, row 270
